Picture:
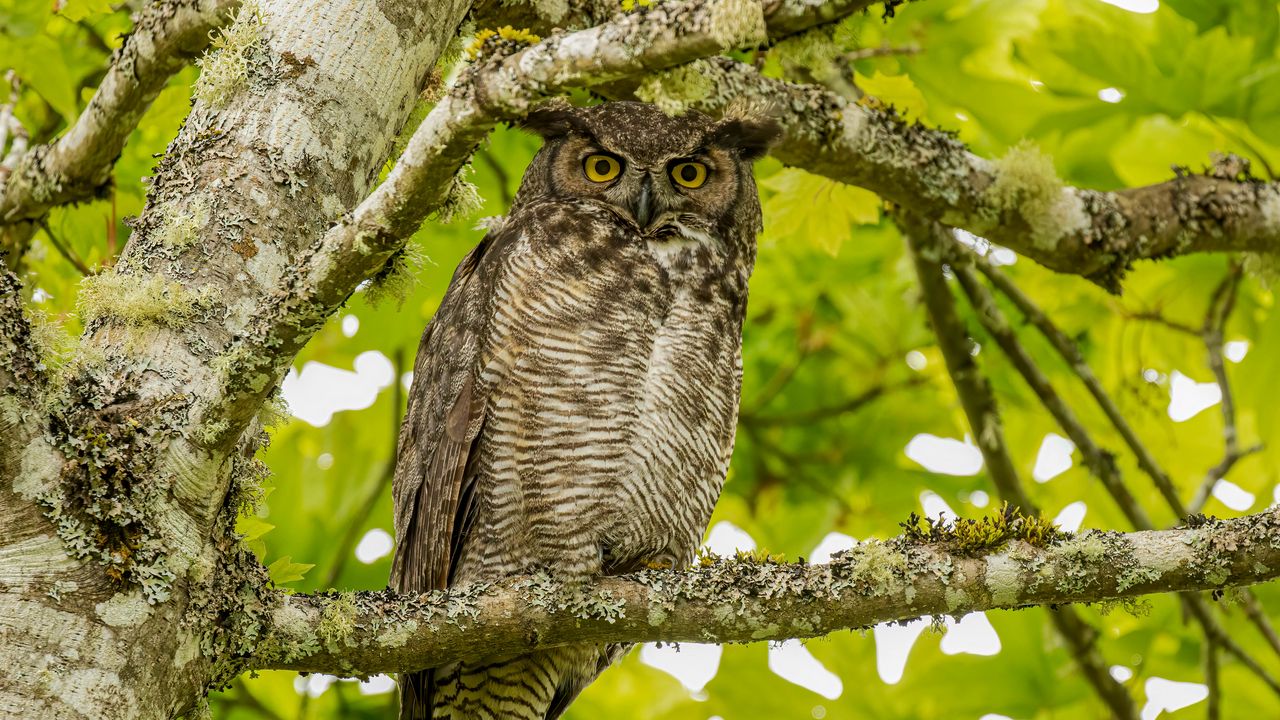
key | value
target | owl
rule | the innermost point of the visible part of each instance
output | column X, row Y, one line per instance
column 574, row 398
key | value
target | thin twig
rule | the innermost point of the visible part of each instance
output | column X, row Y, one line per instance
column 1221, row 304
column 884, row 50
column 1154, row 316
column 784, row 374
column 926, row 240
column 828, row 412
column 1101, row 463
column 375, row 491
column 64, row 250
column 1068, row 349
column 1213, row 710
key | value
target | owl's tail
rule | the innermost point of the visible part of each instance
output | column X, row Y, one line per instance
column 538, row 686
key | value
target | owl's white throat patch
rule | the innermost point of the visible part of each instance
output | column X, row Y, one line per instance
column 674, row 245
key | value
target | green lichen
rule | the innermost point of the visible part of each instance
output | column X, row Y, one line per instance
column 878, row 567
column 140, row 300
column 811, row 50
column 398, row 635
column 337, row 621
column 108, row 499
column 180, row 227
column 461, row 199
column 1027, row 185
column 1081, row 557
column 677, row 90
column 209, row 432
column 224, row 68
column 738, row 23
column 396, row 280
column 275, row 411
column 1213, row 550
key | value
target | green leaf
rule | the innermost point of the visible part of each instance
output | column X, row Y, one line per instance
column 253, row 527
column 796, row 194
column 284, row 570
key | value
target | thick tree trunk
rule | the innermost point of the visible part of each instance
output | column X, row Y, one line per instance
column 295, row 118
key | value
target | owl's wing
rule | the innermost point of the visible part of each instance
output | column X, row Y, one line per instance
column 433, row 494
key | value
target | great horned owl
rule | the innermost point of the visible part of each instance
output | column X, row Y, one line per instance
column 575, row 396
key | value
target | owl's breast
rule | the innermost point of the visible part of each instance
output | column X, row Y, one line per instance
column 612, row 403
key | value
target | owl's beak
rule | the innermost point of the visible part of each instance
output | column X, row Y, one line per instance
column 642, row 210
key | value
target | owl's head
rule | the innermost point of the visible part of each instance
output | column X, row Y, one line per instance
column 688, row 175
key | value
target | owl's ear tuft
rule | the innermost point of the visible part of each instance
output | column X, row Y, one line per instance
column 552, row 120
column 751, row 137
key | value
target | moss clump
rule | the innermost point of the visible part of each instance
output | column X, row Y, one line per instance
column 180, row 228
column 972, row 538
column 140, row 300
column 503, row 41
column 677, row 90
column 1026, row 184
column 224, row 69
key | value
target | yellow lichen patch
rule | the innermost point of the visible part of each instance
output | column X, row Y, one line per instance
column 505, row 39
column 139, row 299
column 966, row 536
column 633, row 5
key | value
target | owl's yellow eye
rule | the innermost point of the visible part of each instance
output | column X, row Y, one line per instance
column 689, row 174
column 601, row 168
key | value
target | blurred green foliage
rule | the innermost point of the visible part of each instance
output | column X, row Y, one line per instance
column 833, row 315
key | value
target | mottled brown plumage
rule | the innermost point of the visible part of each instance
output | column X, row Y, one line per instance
column 575, row 396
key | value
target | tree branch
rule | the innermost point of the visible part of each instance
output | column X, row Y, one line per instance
column 167, row 34
column 1086, row 232
column 743, row 601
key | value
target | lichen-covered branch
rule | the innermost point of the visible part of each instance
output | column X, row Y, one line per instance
column 21, row 368
column 745, row 601
column 167, row 35
column 1017, row 200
